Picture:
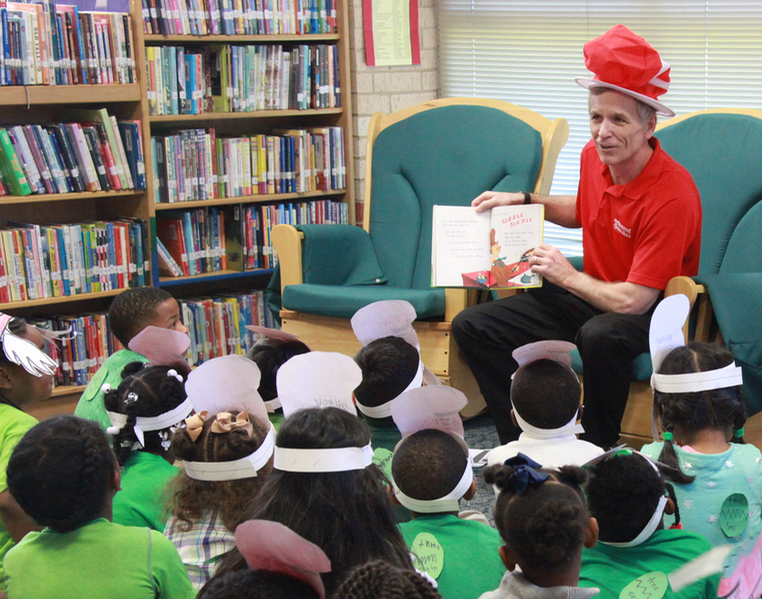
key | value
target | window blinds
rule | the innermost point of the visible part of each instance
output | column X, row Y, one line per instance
column 529, row 51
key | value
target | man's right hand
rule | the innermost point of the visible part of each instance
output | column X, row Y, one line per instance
column 490, row 199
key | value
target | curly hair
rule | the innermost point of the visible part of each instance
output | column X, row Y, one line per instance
column 133, row 309
column 144, row 391
column 546, row 393
column 717, row 409
column 59, row 473
column 230, row 498
column 546, row 525
column 246, row 584
column 347, row 514
column 388, row 365
column 270, row 354
column 380, row 580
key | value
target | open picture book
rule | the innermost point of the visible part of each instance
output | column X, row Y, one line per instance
column 488, row 250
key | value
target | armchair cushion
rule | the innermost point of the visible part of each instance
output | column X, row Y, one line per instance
column 344, row 301
column 641, row 366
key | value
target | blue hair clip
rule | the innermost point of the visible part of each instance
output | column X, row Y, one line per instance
column 524, row 473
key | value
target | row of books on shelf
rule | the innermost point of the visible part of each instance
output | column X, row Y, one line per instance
column 242, row 78
column 239, row 17
column 236, row 237
column 217, row 327
column 42, row 261
column 195, row 164
column 97, row 154
column 42, row 43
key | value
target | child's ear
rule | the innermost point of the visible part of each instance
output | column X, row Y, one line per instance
column 116, row 477
column 591, row 534
column 471, row 491
column 513, row 418
column 392, row 496
column 509, row 560
column 6, row 378
column 580, row 409
column 670, row 508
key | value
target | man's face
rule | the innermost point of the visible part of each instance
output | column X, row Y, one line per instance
column 620, row 136
column 168, row 316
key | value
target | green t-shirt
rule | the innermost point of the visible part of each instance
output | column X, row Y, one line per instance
column 13, row 425
column 471, row 564
column 611, row 569
column 143, row 500
column 99, row 559
column 90, row 405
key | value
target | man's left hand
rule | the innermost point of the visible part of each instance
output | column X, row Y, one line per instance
column 548, row 261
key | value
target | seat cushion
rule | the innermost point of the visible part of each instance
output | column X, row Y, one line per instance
column 343, row 302
column 641, row 366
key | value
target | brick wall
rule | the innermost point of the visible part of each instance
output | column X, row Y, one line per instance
column 387, row 89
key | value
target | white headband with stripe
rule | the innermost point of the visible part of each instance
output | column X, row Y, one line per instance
column 385, row 409
column 150, row 423
column 693, row 382
column 336, row 459
column 570, row 428
column 447, row 503
column 235, row 469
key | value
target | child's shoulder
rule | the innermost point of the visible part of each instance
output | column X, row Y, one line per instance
column 14, row 422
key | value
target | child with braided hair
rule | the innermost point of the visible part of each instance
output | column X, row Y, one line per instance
column 26, row 374
column 699, row 400
column 380, row 580
column 543, row 519
column 65, row 476
column 149, row 402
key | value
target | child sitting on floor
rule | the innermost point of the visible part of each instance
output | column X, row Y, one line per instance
column 546, row 398
column 26, row 375
column 148, row 403
column 64, row 475
column 226, row 449
column 130, row 312
column 543, row 519
column 379, row 580
column 627, row 496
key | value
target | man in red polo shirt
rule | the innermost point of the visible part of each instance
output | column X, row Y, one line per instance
column 641, row 217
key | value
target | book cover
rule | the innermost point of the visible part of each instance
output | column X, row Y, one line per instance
column 488, row 250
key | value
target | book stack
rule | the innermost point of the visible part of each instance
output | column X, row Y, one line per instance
column 239, row 17
column 42, row 43
column 81, row 353
column 192, row 242
column 242, row 78
column 217, row 325
column 195, row 164
column 41, row 261
column 97, row 154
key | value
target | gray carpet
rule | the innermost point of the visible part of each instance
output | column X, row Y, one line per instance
column 481, row 434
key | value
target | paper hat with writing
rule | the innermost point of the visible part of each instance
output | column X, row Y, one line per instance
column 625, row 62
column 162, row 347
column 386, row 318
column 228, row 384
column 272, row 333
column 665, row 334
column 429, row 407
column 23, row 352
column 273, row 547
column 318, row 380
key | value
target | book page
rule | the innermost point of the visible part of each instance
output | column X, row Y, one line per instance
column 459, row 247
column 514, row 232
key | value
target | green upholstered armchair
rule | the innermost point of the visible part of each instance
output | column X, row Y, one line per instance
column 442, row 152
column 722, row 149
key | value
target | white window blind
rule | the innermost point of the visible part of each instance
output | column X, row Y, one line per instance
column 529, row 51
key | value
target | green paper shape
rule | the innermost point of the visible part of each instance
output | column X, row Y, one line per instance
column 382, row 458
column 653, row 585
column 428, row 554
column 734, row 515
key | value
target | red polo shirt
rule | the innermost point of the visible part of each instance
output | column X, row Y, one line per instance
column 644, row 232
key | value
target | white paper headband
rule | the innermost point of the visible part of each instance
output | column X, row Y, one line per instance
column 447, row 503
column 650, row 528
column 338, row 459
column 273, row 404
column 385, row 409
column 236, row 469
column 151, row 423
column 693, row 382
column 570, row 428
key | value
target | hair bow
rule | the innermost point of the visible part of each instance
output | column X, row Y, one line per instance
column 524, row 473
column 195, row 424
column 224, row 423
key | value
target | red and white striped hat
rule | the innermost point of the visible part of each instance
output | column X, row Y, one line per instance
column 623, row 61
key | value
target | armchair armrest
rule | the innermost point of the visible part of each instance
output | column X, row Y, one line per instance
column 693, row 291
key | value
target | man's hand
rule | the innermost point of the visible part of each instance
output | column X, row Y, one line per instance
column 490, row 199
column 551, row 264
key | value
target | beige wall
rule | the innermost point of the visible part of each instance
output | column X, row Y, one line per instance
column 387, row 89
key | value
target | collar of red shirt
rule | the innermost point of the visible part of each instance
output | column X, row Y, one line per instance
column 647, row 178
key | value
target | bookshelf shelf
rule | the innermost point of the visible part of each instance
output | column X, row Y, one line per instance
column 65, row 390
column 251, row 199
column 47, row 301
column 64, row 197
column 216, row 276
column 68, row 94
column 236, row 116
column 157, row 39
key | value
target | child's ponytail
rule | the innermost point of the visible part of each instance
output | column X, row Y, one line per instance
column 668, row 457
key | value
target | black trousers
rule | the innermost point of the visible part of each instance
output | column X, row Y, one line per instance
column 607, row 341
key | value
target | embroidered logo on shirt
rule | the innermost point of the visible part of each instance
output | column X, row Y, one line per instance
column 620, row 228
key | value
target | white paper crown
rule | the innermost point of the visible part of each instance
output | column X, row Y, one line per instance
column 553, row 349
column 162, row 347
column 435, row 407
column 386, row 318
